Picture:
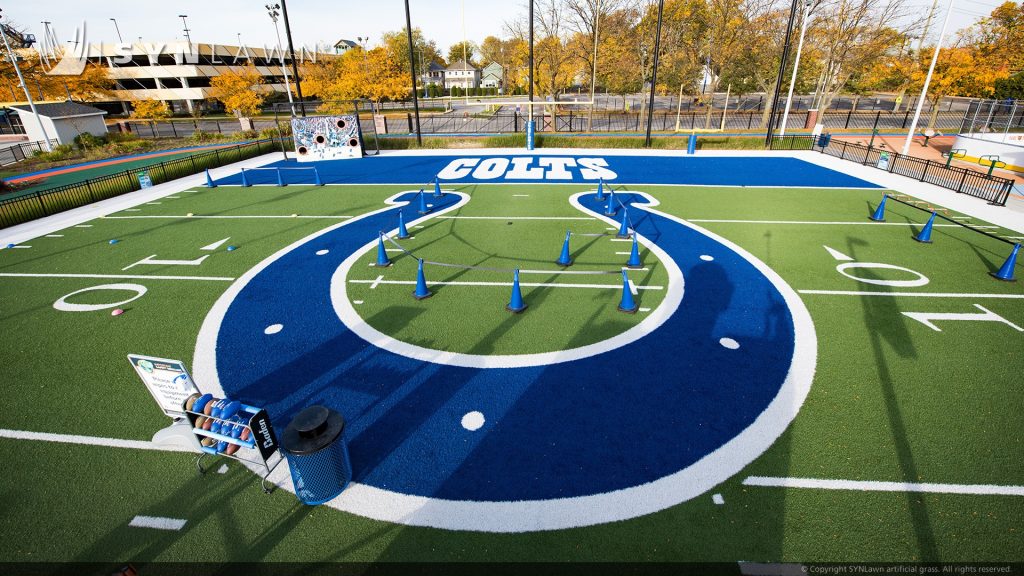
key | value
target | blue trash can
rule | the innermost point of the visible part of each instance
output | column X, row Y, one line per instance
column 314, row 443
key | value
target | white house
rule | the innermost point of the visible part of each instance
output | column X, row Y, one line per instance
column 462, row 75
column 62, row 121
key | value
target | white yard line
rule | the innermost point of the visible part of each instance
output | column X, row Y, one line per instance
column 379, row 281
column 88, row 440
column 878, row 486
column 855, row 223
column 182, row 216
column 54, row 235
column 157, row 522
column 115, row 276
column 919, row 294
column 83, row 226
column 514, row 218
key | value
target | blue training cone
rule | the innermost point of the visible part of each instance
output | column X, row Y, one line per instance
column 1006, row 271
column 245, row 181
column 421, row 284
column 628, row 304
column 610, row 210
column 600, row 190
column 624, row 226
column 437, row 188
column 516, row 304
column 925, row 235
column 423, row 203
column 634, row 256
column 280, row 179
column 316, row 177
column 565, row 259
column 209, row 181
column 879, row 215
column 382, row 254
column 403, row 233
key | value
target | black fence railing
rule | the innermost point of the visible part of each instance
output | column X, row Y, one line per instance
column 25, row 207
column 993, row 189
column 21, row 151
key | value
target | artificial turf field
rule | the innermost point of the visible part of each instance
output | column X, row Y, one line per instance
column 892, row 399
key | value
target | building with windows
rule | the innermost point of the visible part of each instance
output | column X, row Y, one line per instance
column 492, row 76
column 462, row 75
column 180, row 73
column 433, row 76
column 342, row 46
column 62, row 121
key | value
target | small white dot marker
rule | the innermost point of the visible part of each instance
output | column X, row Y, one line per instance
column 707, row 258
column 729, row 343
column 273, row 329
column 321, row 252
column 717, row 499
column 473, row 421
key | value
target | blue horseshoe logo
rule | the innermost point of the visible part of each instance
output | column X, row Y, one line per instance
column 655, row 421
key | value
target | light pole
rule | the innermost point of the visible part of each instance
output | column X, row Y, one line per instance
column 654, row 74
column 412, row 74
column 184, row 20
column 796, row 66
column 778, row 82
column 272, row 11
column 291, row 53
column 118, row 30
column 28, row 96
column 928, row 79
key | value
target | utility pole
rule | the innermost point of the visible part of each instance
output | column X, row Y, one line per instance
column 412, row 73
column 272, row 10
column 654, row 75
column 291, row 52
column 530, row 127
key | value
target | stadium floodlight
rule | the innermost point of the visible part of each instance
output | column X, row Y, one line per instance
column 778, row 81
column 28, row 96
column 291, row 52
column 272, row 11
column 412, row 74
column 928, row 79
column 796, row 66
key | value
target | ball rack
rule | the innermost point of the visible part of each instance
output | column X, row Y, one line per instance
column 260, row 447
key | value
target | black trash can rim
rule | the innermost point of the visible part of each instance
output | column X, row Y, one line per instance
column 311, row 430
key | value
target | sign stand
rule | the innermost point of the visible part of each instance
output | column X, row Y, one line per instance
column 170, row 384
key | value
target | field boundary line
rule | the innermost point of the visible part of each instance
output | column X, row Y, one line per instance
column 187, row 217
column 88, row 440
column 883, row 486
column 378, row 282
column 114, row 276
column 858, row 223
column 918, row 294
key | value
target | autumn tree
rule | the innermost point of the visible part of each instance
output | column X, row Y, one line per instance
column 465, row 50
column 358, row 73
column 397, row 46
column 958, row 72
column 240, row 90
column 150, row 109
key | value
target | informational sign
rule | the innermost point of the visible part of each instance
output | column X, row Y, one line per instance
column 144, row 180
column 883, row 161
column 381, row 123
column 167, row 380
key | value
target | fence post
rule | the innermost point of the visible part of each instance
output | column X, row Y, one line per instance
column 192, row 158
column 906, row 117
column 960, row 187
column 88, row 186
column 848, row 114
column 219, row 131
column 216, row 154
column 173, row 129
column 42, row 205
column 927, row 163
column 163, row 168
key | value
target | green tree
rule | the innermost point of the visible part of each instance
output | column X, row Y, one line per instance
column 455, row 53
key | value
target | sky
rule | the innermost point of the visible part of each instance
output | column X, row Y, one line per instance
column 312, row 21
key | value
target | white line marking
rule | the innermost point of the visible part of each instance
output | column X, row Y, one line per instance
column 172, row 197
column 622, row 239
column 717, row 499
column 223, row 469
column 579, row 272
column 157, row 522
column 153, row 203
column 645, row 309
column 868, row 223
column 919, row 294
column 54, row 235
column 876, row 486
column 838, row 255
column 20, row 246
column 83, row 226
column 189, row 192
column 380, row 280
column 225, row 217
column 1014, row 237
column 521, row 195
column 117, row 276
column 393, row 250
column 982, row 227
column 960, row 217
column 130, row 210
column 89, row 440
column 215, row 245
column 622, row 253
column 357, row 301
column 611, row 229
column 632, row 287
column 514, row 218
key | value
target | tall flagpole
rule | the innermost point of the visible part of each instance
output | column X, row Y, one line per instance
column 927, row 80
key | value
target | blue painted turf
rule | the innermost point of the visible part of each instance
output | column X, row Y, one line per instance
column 691, row 170
column 616, row 420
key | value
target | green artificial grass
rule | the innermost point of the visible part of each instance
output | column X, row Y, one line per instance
column 892, row 399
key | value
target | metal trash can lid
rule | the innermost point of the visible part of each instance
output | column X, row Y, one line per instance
column 311, row 430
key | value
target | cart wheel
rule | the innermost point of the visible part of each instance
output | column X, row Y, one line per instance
column 266, row 489
column 199, row 464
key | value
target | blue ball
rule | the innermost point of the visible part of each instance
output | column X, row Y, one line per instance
column 114, row 241
column 232, row 248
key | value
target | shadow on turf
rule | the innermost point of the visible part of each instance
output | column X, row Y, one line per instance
column 887, row 326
